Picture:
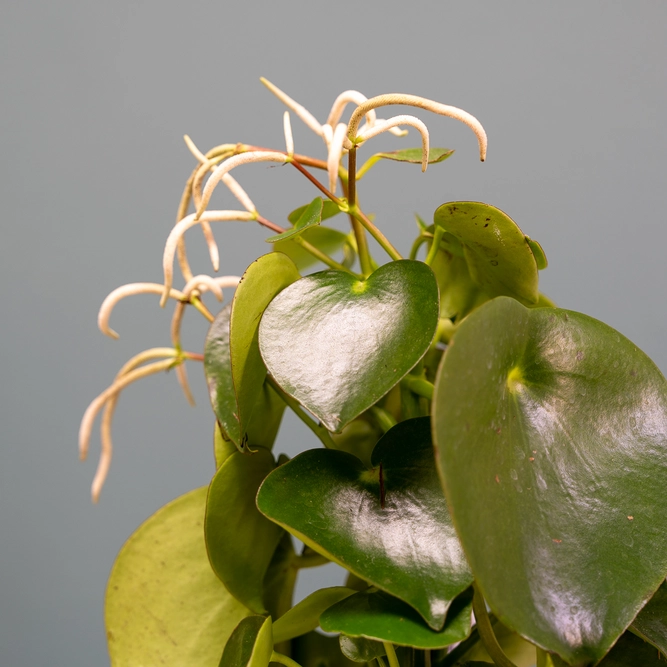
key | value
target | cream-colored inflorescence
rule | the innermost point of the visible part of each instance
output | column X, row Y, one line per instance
column 339, row 138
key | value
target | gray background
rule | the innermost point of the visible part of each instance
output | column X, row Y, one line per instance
column 94, row 100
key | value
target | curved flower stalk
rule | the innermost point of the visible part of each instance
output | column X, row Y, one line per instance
column 180, row 228
column 339, row 138
column 193, row 288
column 421, row 103
column 129, row 373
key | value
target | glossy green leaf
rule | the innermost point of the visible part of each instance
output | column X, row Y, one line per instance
column 311, row 216
column 499, row 257
column 651, row 622
column 631, row 651
column 376, row 615
column 164, row 604
column 329, row 210
column 269, row 407
column 407, row 547
column 239, row 540
column 558, row 424
column 316, row 650
column 360, row 649
column 327, row 240
column 338, row 344
column 305, row 616
column 262, row 281
column 250, row 645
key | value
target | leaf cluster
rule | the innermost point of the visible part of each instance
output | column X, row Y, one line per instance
column 475, row 448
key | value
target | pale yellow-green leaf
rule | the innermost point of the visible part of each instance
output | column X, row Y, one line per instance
column 164, row 604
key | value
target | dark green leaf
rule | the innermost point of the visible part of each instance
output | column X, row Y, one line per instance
column 332, row 502
column 338, row 344
column 499, row 257
column 376, row 615
column 250, row 645
column 261, row 432
column 631, row 651
column 311, row 216
column 360, row 649
column 305, row 616
column 328, row 240
column 316, row 650
column 551, row 430
column 329, row 209
column 651, row 622
column 240, row 541
column 164, row 604
column 263, row 279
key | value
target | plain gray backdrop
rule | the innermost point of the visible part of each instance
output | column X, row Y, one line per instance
column 94, row 100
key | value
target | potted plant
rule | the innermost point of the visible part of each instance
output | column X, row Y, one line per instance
column 475, row 447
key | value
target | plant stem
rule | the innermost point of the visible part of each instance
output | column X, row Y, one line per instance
column 419, row 241
column 359, row 236
column 198, row 304
column 283, row 660
column 317, row 429
column 323, row 257
column 435, row 245
column 380, row 662
column 418, row 386
column 325, row 191
column 391, row 654
column 352, row 177
column 375, row 232
column 486, row 631
column 384, row 420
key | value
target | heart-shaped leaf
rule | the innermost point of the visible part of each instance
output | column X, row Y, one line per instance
column 262, row 431
column 164, row 604
column 360, row 649
column 651, row 622
column 499, row 256
column 239, row 540
column 338, row 344
column 263, row 279
column 305, row 616
column 393, row 531
column 376, row 615
column 311, row 216
column 250, row 645
column 551, row 430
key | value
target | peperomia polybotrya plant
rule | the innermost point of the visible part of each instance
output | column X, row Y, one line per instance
column 475, row 448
